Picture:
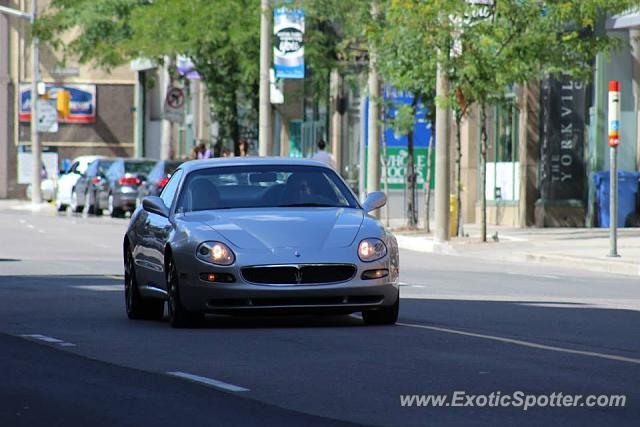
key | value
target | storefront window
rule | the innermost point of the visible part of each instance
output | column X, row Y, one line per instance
column 503, row 172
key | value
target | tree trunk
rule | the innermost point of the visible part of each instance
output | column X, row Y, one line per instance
column 483, row 171
column 427, row 184
column 412, row 218
column 459, row 231
column 385, row 166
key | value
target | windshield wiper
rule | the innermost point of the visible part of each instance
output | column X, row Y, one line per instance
column 297, row 205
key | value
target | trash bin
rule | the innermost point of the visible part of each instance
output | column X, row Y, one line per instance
column 627, row 193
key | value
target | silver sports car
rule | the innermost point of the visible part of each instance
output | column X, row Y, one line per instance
column 259, row 235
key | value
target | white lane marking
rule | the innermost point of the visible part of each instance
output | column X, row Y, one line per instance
column 538, row 276
column 410, row 285
column 208, row 381
column 47, row 339
column 21, row 221
column 41, row 231
column 31, row 226
column 526, row 343
column 100, row 288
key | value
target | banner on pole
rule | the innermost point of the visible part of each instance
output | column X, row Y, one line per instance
column 288, row 47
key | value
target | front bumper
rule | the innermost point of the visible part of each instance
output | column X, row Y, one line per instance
column 343, row 297
column 125, row 200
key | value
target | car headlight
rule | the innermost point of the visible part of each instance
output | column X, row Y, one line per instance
column 371, row 250
column 215, row 253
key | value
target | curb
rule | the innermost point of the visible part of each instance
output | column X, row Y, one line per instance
column 589, row 264
column 428, row 245
column 425, row 245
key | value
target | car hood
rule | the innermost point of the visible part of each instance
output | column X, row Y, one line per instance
column 318, row 228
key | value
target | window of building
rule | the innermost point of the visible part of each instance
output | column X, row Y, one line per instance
column 503, row 171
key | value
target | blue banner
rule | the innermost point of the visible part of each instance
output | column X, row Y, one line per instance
column 288, row 46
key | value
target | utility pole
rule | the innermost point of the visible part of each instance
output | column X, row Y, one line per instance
column 373, row 151
column 614, row 141
column 442, row 159
column 264, row 131
column 36, row 152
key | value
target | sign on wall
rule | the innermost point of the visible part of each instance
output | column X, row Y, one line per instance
column 288, row 45
column 397, row 151
column 83, row 102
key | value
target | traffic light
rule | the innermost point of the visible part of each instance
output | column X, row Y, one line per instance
column 64, row 103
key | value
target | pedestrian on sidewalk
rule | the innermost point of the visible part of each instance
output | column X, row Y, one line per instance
column 204, row 152
column 322, row 156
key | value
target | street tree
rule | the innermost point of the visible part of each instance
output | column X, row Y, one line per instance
column 504, row 43
column 486, row 47
column 220, row 37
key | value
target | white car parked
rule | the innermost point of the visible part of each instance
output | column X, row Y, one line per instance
column 67, row 181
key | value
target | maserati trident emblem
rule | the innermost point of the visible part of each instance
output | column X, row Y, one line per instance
column 298, row 276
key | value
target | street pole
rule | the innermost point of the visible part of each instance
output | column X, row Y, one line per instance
column 614, row 141
column 36, row 152
column 373, row 149
column 264, row 131
column 442, row 159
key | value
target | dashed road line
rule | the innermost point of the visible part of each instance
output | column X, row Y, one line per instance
column 220, row 385
column 526, row 343
column 47, row 339
column 100, row 288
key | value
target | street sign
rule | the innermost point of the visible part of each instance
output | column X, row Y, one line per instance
column 47, row 116
column 174, row 104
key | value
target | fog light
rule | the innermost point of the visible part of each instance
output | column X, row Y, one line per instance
column 217, row 277
column 375, row 274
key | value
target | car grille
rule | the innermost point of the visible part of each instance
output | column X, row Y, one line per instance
column 350, row 300
column 299, row 274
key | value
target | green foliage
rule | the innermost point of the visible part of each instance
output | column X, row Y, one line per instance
column 102, row 27
column 220, row 36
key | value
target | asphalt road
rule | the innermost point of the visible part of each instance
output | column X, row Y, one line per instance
column 69, row 355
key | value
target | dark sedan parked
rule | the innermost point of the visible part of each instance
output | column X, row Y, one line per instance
column 158, row 178
column 123, row 177
column 84, row 193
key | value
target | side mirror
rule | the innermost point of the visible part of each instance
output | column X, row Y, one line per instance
column 374, row 201
column 155, row 205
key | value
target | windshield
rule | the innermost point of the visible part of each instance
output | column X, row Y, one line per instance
column 143, row 167
column 264, row 186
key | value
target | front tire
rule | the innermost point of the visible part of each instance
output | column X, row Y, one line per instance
column 382, row 316
column 179, row 317
column 137, row 306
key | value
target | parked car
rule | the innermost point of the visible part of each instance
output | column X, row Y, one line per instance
column 123, row 179
column 84, row 193
column 47, row 190
column 157, row 179
column 291, row 238
column 67, row 180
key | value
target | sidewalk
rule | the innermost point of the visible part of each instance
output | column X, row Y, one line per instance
column 583, row 248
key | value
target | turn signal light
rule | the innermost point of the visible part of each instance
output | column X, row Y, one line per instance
column 217, row 277
column 375, row 274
